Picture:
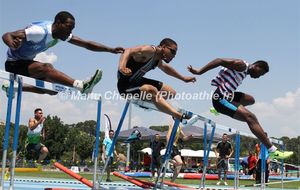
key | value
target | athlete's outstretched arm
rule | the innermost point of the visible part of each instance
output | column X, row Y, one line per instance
column 94, row 46
column 14, row 39
column 235, row 64
column 169, row 70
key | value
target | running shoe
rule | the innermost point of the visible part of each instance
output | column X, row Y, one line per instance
column 186, row 115
column 89, row 84
column 219, row 183
column 280, row 155
column 225, row 183
column 108, row 180
column 214, row 111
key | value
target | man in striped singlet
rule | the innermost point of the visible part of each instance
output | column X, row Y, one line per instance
column 137, row 61
column 228, row 101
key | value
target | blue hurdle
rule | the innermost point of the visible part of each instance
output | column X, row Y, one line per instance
column 237, row 133
column 7, row 126
column 113, row 142
column 167, row 155
column 16, row 132
column 96, row 148
column 42, row 85
column 206, row 149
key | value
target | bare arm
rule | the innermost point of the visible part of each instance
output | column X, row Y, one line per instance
column 169, row 133
column 103, row 150
column 94, row 46
column 44, row 133
column 185, row 137
column 166, row 68
column 139, row 53
column 231, row 152
column 216, row 151
column 14, row 39
column 235, row 64
column 115, row 152
column 34, row 123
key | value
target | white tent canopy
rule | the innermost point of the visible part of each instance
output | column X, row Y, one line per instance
column 184, row 152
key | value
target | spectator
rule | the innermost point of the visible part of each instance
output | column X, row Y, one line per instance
column 223, row 152
column 252, row 164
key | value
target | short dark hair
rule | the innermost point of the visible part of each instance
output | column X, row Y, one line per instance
column 111, row 131
column 262, row 64
column 62, row 17
column 37, row 109
column 224, row 134
column 168, row 42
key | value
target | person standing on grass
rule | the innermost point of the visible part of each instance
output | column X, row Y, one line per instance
column 223, row 152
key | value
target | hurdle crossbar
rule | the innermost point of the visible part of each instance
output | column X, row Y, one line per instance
column 55, row 87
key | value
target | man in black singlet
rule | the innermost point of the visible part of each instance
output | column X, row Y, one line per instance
column 223, row 152
column 137, row 61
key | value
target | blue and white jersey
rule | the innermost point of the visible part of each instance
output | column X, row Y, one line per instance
column 38, row 39
column 228, row 80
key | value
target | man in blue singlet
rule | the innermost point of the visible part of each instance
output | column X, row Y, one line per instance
column 137, row 61
column 35, row 128
column 107, row 143
column 25, row 44
column 228, row 101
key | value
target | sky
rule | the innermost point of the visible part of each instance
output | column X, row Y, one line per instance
column 204, row 30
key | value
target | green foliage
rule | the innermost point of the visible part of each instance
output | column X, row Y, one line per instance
column 55, row 136
column 161, row 128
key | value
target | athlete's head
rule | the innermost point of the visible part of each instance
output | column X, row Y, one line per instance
column 258, row 68
column 157, row 137
column 169, row 49
column 111, row 133
column 64, row 23
column 38, row 113
column 224, row 137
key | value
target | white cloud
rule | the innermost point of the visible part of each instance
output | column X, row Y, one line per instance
column 45, row 57
column 281, row 116
column 290, row 102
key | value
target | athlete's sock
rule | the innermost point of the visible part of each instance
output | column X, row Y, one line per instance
column 272, row 149
column 78, row 84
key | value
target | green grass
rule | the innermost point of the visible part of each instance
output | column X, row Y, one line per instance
column 57, row 174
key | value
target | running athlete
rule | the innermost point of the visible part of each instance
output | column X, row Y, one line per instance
column 228, row 101
column 26, row 43
column 136, row 62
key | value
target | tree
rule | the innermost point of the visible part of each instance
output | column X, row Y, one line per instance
column 88, row 126
column 55, row 136
column 161, row 128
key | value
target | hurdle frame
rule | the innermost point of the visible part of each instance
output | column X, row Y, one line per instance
column 113, row 143
column 41, row 85
column 209, row 122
